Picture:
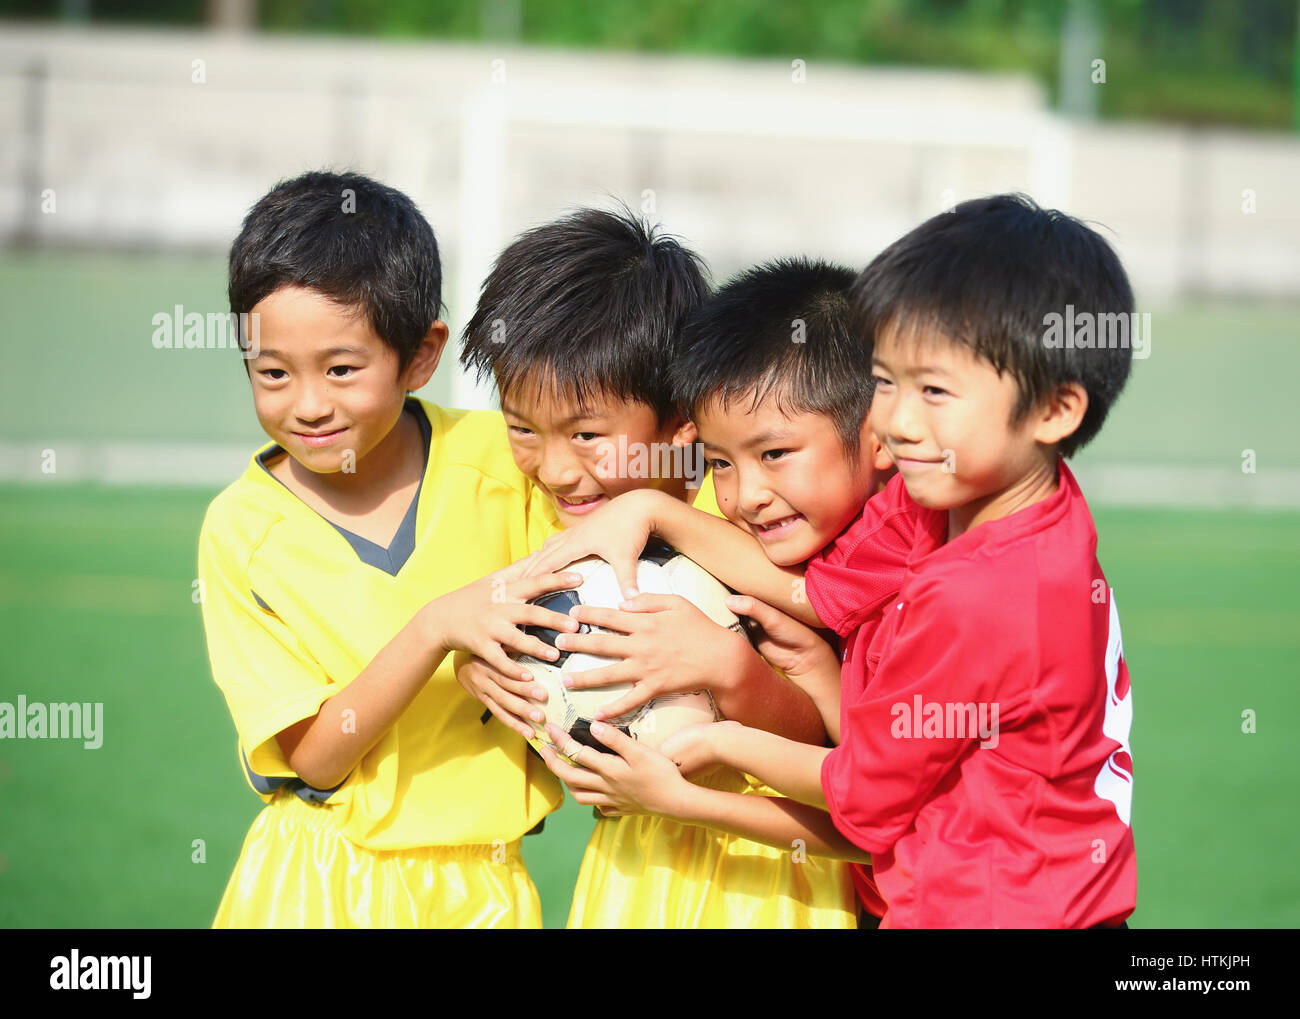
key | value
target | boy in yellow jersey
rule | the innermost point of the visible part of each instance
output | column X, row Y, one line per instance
column 344, row 568
column 577, row 326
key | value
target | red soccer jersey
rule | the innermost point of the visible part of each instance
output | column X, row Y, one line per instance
column 984, row 758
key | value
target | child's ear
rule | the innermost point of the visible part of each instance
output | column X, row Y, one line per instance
column 880, row 458
column 685, row 434
column 1061, row 413
column 876, row 454
column 427, row 356
column 882, row 464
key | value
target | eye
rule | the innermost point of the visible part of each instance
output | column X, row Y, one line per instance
column 774, row 454
column 717, row 464
column 935, row 391
column 273, row 374
column 519, row 430
column 586, row 436
column 880, row 380
column 348, row 369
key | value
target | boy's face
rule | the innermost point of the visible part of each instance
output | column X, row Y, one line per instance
column 324, row 383
column 571, row 452
column 785, row 479
column 945, row 417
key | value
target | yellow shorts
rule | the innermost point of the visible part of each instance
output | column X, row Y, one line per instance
column 649, row 872
column 297, row 870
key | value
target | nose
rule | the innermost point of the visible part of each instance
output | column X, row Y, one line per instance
column 753, row 495
column 311, row 401
column 558, row 469
column 897, row 419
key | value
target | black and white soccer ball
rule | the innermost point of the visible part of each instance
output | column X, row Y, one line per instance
column 660, row 570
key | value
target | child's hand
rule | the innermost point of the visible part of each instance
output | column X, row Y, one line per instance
column 634, row 779
column 695, row 749
column 483, row 619
column 797, row 650
column 666, row 644
column 617, row 533
column 507, row 699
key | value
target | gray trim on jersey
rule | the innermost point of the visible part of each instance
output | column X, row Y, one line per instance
column 391, row 559
column 267, row 785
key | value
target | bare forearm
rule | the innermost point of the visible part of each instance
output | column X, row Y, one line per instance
column 781, row 823
column 351, row 722
column 792, row 769
column 755, row 695
column 731, row 555
column 823, row 692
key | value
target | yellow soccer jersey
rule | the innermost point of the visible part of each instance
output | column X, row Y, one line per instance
column 294, row 609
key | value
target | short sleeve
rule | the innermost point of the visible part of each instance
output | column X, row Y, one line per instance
column 864, row 567
column 268, row 678
column 914, row 725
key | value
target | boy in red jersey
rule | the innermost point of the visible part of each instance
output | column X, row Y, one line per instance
column 984, row 721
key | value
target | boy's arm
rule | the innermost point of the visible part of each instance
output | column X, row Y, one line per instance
column 805, row 658
column 754, row 694
column 637, row 779
column 791, row 768
column 733, row 556
column 322, row 728
column 618, row 532
column 771, row 820
column 482, row 618
column 323, row 750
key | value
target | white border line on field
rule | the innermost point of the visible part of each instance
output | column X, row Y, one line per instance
column 1174, row 486
column 178, row 464
column 214, row 465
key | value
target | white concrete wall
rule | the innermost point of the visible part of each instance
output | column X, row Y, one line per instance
column 742, row 161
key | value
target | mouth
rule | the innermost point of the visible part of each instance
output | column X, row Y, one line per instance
column 907, row 463
column 580, row 504
column 317, row 439
column 776, row 529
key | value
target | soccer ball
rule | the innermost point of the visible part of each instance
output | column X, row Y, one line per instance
column 660, row 570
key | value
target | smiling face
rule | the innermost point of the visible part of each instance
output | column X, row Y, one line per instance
column 324, row 383
column 570, row 451
column 784, row 478
column 945, row 417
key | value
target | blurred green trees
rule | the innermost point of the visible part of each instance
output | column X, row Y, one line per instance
column 1196, row 61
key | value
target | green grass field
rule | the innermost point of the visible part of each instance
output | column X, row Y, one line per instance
column 95, row 605
column 95, row 585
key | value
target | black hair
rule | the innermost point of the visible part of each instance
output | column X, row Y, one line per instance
column 359, row 243
column 784, row 329
column 991, row 274
column 590, row 303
